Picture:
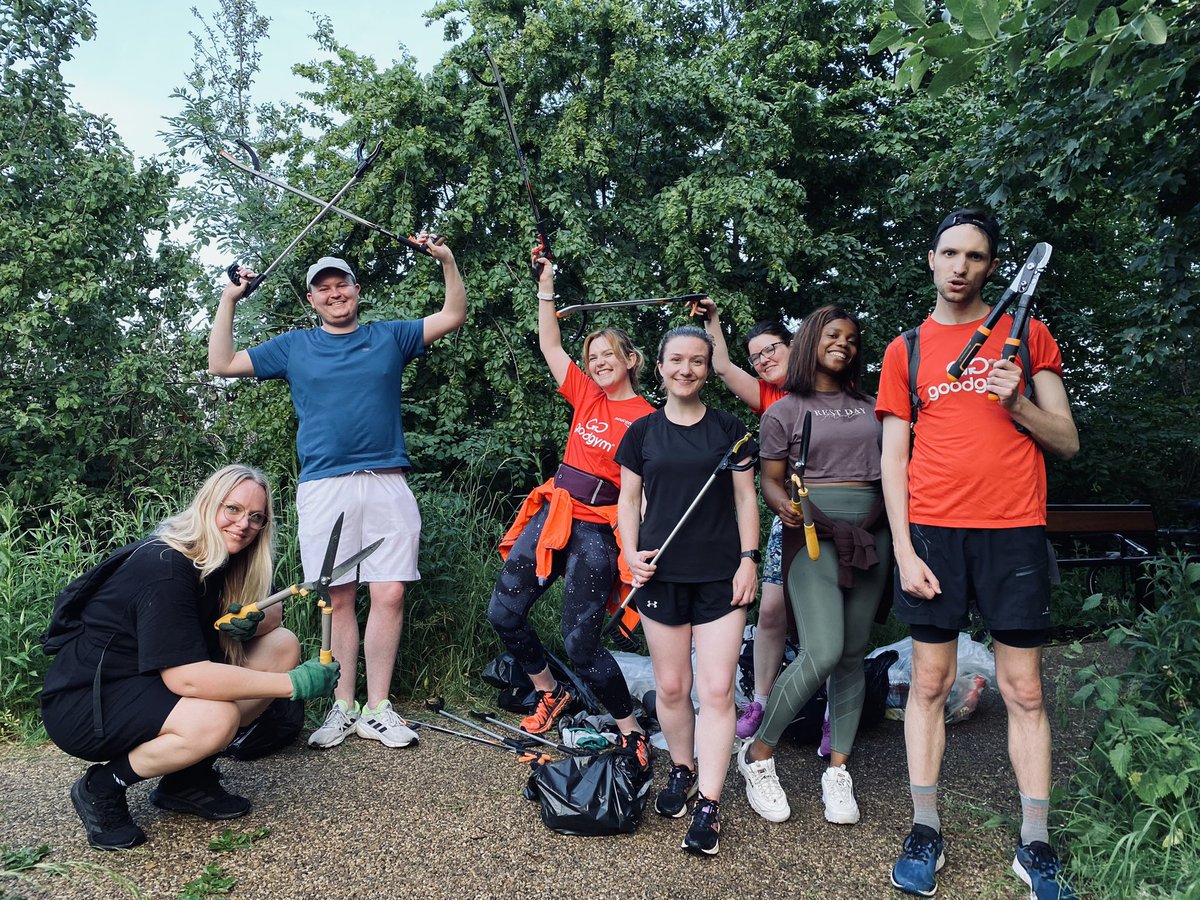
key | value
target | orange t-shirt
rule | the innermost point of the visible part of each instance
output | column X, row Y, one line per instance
column 597, row 426
column 970, row 467
column 767, row 394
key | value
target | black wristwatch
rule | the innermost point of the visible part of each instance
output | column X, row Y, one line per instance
column 752, row 555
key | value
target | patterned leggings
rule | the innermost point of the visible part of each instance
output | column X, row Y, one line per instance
column 834, row 626
column 588, row 565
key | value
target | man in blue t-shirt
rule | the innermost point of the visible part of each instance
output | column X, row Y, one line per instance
column 346, row 381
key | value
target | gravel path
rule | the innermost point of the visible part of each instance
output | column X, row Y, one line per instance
column 447, row 819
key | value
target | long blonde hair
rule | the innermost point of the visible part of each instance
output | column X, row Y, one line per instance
column 194, row 533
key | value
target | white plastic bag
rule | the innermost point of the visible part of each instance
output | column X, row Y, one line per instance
column 976, row 670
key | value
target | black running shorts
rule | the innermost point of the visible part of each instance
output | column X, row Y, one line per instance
column 1004, row 572
column 685, row 603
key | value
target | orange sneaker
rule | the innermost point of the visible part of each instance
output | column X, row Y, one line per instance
column 550, row 705
column 639, row 746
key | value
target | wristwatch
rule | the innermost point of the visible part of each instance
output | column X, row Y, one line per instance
column 752, row 555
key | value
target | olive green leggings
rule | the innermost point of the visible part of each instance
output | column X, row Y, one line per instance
column 834, row 625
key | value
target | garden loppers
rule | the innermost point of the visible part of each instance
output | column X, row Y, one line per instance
column 257, row 172
column 800, row 501
column 329, row 573
column 1024, row 283
column 364, row 163
column 725, row 463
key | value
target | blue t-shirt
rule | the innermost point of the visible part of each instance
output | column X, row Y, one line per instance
column 346, row 390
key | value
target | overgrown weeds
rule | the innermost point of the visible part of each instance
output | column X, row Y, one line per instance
column 1132, row 820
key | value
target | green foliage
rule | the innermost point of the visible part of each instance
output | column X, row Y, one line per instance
column 21, row 862
column 230, row 840
column 93, row 293
column 211, row 882
column 1132, row 820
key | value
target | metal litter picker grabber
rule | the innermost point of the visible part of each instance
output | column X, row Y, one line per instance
column 725, row 463
column 329, row 573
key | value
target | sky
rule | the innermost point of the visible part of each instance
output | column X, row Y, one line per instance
column 142, row 51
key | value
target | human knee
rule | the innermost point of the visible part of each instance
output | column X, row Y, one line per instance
column 931, row 684
column 500, row 617
column 772, row 617
column 1021, row 693
column 276, row 651
column 672, row 690
column 208, row 726
column 715, row 692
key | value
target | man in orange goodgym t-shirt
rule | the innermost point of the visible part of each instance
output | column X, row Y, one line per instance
column 968, row 516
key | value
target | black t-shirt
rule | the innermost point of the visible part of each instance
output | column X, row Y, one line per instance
column 674, row 462
column 153, row 613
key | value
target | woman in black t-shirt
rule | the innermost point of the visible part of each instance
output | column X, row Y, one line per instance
column 150, row 685
column 699, row 589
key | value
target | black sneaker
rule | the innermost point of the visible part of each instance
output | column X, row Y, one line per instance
column 681, row 787
column 105, row 816
column 198, row 792
column 703, row 837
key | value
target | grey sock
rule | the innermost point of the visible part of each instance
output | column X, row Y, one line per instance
column 924, row 798
column 1034, row 813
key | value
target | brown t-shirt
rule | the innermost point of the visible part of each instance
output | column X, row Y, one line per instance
column 846, row 437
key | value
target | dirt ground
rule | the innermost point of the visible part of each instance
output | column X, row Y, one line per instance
column 447, row 819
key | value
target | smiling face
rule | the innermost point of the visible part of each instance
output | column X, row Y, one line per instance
column 607, row 366
column 684, row 366
column 961, row 263
column 837, row 348
column 334, row 297
column 769, row 356
column 237, row 514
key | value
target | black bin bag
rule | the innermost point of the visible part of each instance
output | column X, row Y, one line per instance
column 276, row 728
column 590, row 795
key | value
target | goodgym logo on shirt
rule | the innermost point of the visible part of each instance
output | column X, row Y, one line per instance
column 590, row 432
column 974, row 379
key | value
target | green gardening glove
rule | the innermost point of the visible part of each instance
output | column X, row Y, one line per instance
column 312, row 679
column 241, row 628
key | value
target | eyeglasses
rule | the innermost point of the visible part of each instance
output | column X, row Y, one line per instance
column 235, row 513
column 767, row 352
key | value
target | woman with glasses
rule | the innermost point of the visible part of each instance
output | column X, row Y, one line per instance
column 768, row 345
column 145, row 681
column 566, row 527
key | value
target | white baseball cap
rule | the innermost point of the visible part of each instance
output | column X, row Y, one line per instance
column 327, row 262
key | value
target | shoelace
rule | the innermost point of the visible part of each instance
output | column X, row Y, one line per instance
column 919, row 847
column 111, row 808
column 705, row 815
column 840, row 789
column 1044, row 861
column 763, row 782
column 678, row 780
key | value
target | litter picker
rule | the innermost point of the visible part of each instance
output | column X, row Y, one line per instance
column 364, row 163
column 561, row 748
column 257, row 172
column 1024, row 283
column 800, row 502
column 725, row 463
column 693, row 299
column 329, row 573
column 523, row 754
column 539, row 223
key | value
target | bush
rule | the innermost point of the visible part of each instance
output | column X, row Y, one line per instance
column 1132, row 821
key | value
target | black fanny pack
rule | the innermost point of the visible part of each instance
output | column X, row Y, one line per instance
column 585, row 487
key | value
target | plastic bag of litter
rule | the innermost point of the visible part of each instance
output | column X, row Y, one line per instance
column 976, row 670
column 590, row 795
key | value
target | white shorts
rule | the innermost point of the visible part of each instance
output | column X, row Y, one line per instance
column 376, row 505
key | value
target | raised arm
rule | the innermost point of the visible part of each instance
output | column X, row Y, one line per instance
column 223, row 357
column 549, row 333
column 742, row 383
column 453, row 313
column 916, row 578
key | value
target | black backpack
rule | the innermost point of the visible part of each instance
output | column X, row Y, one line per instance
column 65, row 621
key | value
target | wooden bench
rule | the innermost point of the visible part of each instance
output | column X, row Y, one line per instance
column 1096, row 536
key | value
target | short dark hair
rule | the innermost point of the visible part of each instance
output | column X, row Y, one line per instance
column 690, row 331
column 979, row 217
column 773, row 327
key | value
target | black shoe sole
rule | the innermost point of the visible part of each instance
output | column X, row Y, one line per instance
column 178, row 804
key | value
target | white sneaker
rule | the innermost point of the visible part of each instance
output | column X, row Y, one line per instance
column 383, row 724
column 837, row 790
column 762, row 787
column 338, row 724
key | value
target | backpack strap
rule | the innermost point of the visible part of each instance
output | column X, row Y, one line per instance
column 912, row 343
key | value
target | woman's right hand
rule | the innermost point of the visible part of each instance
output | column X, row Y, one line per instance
column 312, row 679
column 641, row 567
column 790, row 516
column 546, row 279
